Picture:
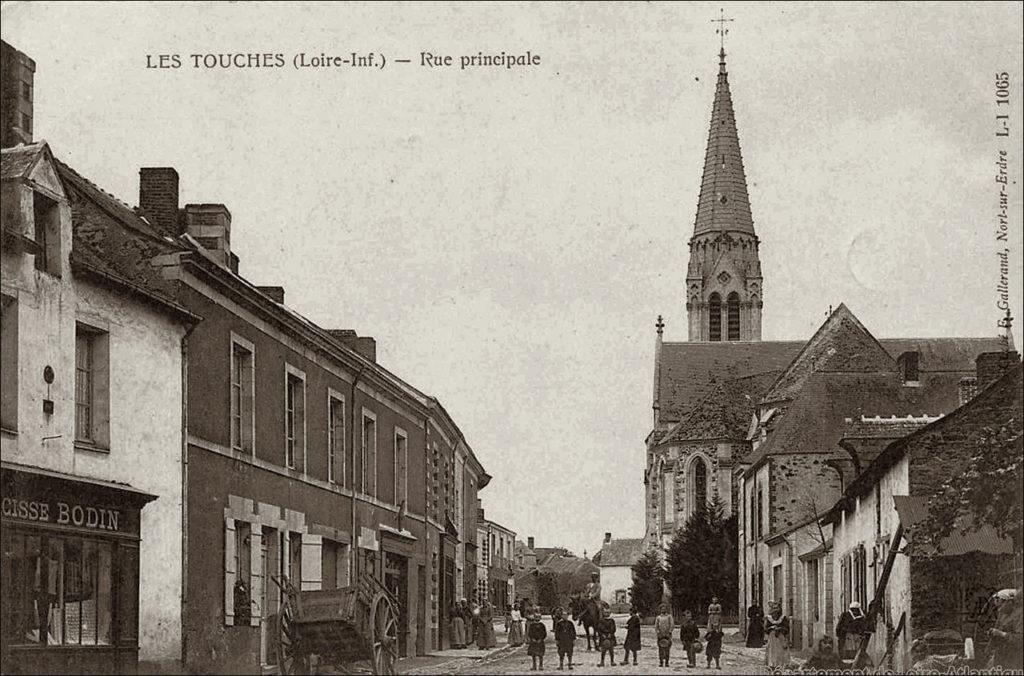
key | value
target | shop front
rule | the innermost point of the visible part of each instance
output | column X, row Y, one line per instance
column 69, row 598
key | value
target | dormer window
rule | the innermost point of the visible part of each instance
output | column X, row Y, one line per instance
column 46, row 214
column 909, row 366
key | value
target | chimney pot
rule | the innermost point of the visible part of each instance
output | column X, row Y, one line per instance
column 364, row 345
column 158, row 198
column 607, row 537
column 529, row 542
column 210, row 225
column 276, row 293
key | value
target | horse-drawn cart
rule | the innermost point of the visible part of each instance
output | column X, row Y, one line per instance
column 338, row 626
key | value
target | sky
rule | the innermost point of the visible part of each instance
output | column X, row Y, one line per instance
column 510, row 236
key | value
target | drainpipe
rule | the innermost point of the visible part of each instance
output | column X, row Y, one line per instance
column 184, row 487
column 354, row 553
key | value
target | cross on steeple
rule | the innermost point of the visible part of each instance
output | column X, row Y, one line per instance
column 722, row 31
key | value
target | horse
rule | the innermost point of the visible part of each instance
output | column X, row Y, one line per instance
column 585, row 613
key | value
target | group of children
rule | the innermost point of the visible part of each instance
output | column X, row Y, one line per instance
column 689, row 634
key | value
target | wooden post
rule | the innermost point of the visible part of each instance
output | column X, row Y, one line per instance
column 861, row 659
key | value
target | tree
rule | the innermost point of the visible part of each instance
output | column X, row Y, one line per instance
column 702, row 561
column 648, row 576
column 986, row 493
column 547, row 589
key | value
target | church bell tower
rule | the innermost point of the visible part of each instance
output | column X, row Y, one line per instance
column 723, row 280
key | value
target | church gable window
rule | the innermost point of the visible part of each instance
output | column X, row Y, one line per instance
column 715, row 317
column 734, row 316
column 700, row 483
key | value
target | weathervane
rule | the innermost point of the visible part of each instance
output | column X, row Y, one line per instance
column 722, row 31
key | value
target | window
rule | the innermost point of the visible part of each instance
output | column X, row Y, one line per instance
column 669, row 496
column 368, row 456
column 715, row 317
column 242, row 395
column 878, row 509
column 401, row 466
column 26, row 123
column 813, row 592
column 92, row 388
column 734, row 316
column 335, row 438
column 243, row 573
column 700, row 484
column 909, row 366
column 58, row 590
column 9, row 363
column 760, row 513
column 26, row 91
column 334, row 564
column 46, row 215
column 295, row 416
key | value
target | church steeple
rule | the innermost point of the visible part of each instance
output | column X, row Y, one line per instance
column 724, row 275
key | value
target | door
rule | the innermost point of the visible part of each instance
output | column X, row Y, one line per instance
column 421, row 616
column 396, row 579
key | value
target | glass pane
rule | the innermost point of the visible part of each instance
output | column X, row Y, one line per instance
column 103, row 593
column 74, row 591
column 87, row 604
column 128, row 593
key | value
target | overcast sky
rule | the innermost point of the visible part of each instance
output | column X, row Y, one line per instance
column 509, row 237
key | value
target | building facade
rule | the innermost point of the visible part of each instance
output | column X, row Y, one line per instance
column 92, row 432
column 496, row 582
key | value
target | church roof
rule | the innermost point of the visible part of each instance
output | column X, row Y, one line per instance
column 725, row 412
column 689, row 371
column 723, row 203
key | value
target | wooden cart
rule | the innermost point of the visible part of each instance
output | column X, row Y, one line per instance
column 338, row 626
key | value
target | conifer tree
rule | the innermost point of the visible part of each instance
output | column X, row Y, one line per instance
column 702, row 562
column 648, row 576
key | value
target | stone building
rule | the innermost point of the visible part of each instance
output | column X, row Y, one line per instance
column 616, row 559
column 496, row 582
column 933, row 587
column 92, row 435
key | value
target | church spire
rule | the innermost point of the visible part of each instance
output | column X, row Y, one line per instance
column 723, row 204
column 723, row 278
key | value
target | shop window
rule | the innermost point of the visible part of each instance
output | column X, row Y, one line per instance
column 46, row 213
column 295, row 416
column 335, row 438
column 401, row 464
column 58, row 590
column 9, row 363
column 368, row 455
column 242, row 395
column 92, row 388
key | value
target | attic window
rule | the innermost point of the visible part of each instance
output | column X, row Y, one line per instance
column 46, row 216
column 909, row 366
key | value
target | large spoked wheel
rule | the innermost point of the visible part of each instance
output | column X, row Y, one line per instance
column 384, row 635
column 289, row 659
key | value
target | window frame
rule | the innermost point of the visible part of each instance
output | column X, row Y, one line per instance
column 401, row 461
column 715, row 317
column 97, row 340
column 367, row 414
column 334, row 449
column 297, row 409
column 732, row 311
column 237, row 342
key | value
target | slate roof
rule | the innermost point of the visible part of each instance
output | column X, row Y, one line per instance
column 725, row 412
column 880, row 427
column 1000, row 403
column 723, row 203
column 621, row 552
column 689, row 371
column 109, row 238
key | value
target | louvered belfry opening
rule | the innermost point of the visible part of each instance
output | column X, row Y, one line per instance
column 715, row 317
column 734, row 316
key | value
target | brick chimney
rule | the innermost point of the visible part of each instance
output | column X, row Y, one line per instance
column 17, row 92
column 276, row 293
column 210, row 225
column 529, row 542
column 364, row 345
column 607, row 538
column 158, row 198
column 992, row 365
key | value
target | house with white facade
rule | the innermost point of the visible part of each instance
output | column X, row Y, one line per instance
column 616, row 559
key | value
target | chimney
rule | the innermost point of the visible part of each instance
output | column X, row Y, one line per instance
column 210, row 225
column 607, row 538
column 276, row 293
column 364, row 345
column 992, row 365
column 529, row 542
column 158, row 198
column 17, row 91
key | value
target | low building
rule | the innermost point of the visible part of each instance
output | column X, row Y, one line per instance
column 938, row 585
column 496, row 582
column 615, row 561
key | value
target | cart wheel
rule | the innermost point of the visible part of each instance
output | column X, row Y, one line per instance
column 384, row 635
column 289, row 661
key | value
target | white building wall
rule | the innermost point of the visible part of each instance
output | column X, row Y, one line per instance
column 614, row 578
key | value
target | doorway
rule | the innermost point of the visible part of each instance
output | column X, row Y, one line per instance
column 396, row 579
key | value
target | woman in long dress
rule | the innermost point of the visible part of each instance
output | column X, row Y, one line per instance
column 485, row 639
column 515, row 628
column 458, row 628
column 755, row 626
column 776, row 629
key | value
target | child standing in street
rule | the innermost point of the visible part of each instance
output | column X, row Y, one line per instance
column 632, row 642
column 565, row 639
column 663, row 626
column 606, row 635
column 536, row 633
column 689, row 634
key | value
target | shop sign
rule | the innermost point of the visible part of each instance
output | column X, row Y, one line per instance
column 62, row 513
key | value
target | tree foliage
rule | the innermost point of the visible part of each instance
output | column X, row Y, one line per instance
column 988, row 492
column 702, row 561
column 547, row 589
column 648, row 576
